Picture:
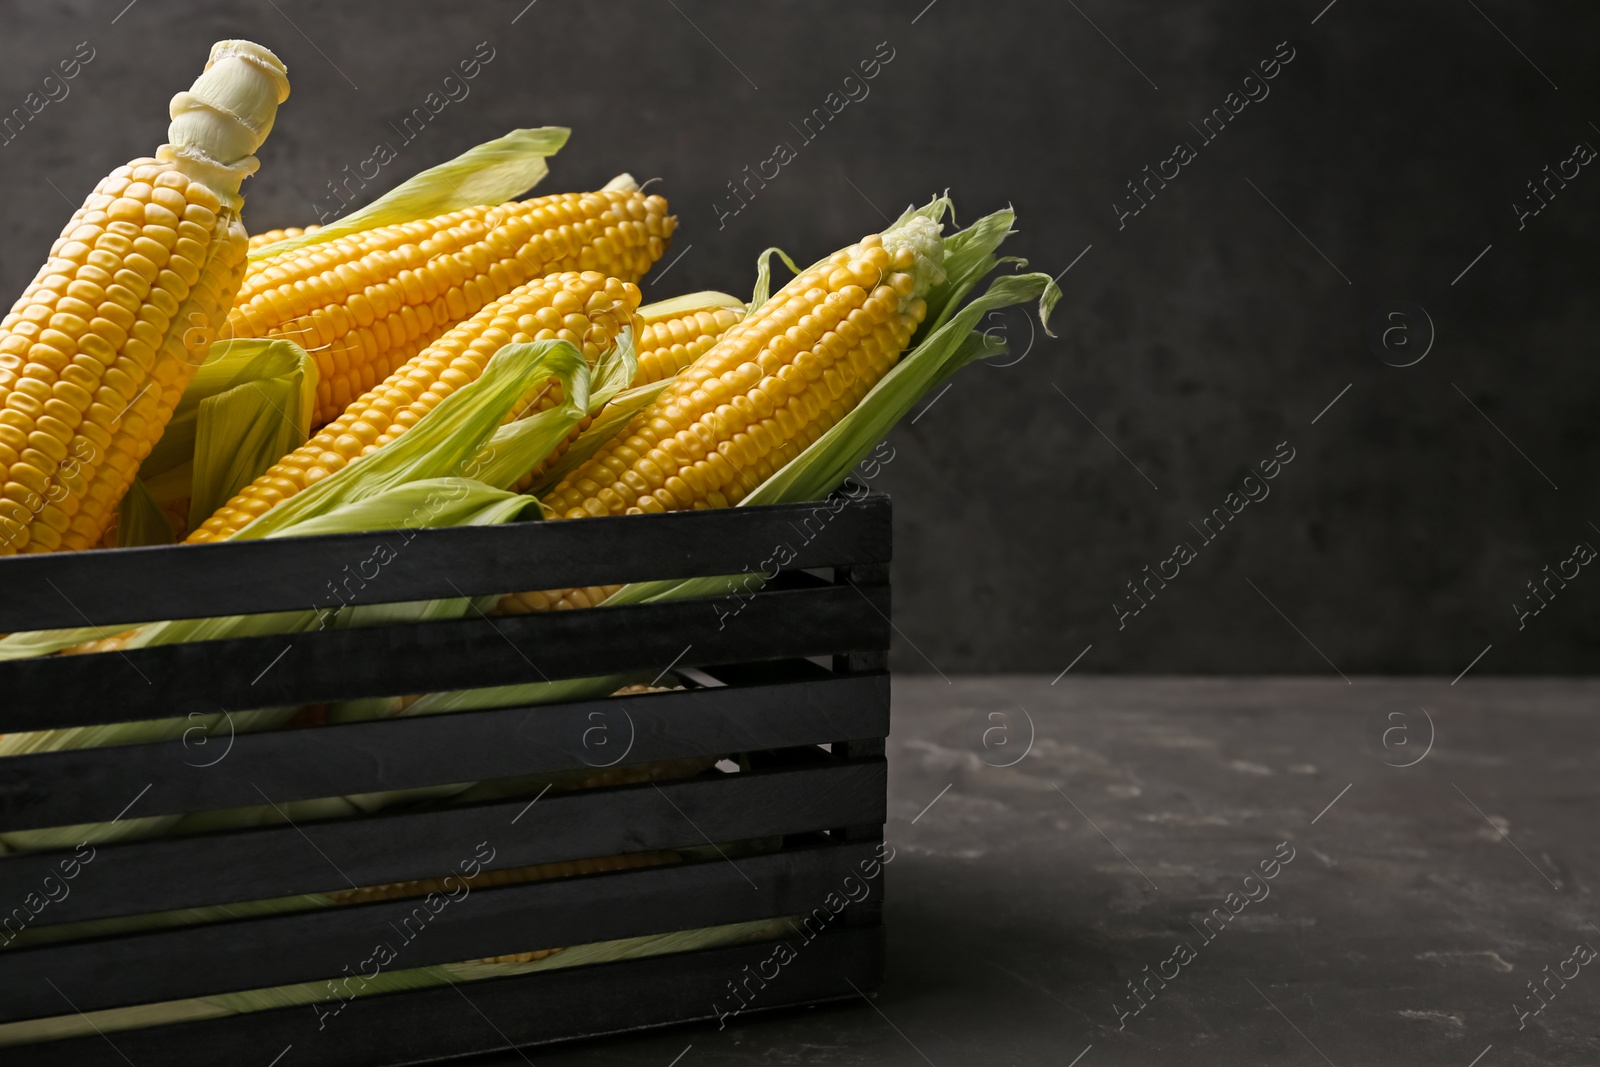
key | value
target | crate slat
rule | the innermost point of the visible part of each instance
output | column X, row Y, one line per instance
column 224, row 868
column 432, row 1024
column 293, row 669
column 175, row 776
column 118, row 586
column 257, row 953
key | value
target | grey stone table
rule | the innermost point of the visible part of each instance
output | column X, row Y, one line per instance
column 1417, row 891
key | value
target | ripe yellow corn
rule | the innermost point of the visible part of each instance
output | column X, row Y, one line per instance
column 766, row 390
column 665, row 346
column 586, row 308
column 98, row 350
column 272, row 237
column 366, row 303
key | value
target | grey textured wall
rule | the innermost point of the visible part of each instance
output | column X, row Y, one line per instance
column 1195, row 336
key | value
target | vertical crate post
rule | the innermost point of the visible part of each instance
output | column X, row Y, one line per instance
column 872, row 581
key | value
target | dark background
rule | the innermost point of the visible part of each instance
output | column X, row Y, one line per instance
column 1191, row 341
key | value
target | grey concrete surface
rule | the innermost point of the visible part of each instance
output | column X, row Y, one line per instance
column 1427, row 886
column 1383, row 163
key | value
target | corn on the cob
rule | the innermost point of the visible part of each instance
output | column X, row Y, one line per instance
column 586, row 308
column 97, row 351
column 668, row 342
column 272, row 237
column 771, row 386
column 366, row 303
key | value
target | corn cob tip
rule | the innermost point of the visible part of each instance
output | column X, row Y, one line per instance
column 218, row 124
column 923, row 238
column 258, row 55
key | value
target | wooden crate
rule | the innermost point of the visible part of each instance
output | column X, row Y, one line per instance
column 812, row 776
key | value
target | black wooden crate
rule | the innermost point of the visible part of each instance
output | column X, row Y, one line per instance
column 810, row 738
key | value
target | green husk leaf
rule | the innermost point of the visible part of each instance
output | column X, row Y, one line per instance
column 491, row 173
column 229, row 365
column 616, row 415
column 140, row 520
column 519, row 446
column 935, row 209
column 259, row 411
column 968, row 259
column 30, row 643
column 112, row 1020
column 442, row 444
column 763, row 289
column 168, row 487
column 249, row 404
column 824, row 465
column 682, row 305
column 64, row 837
column 564, row 691
column 427, row 502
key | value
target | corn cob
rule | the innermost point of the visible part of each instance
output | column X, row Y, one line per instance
column 586, row 308
column 771, row 386
column 272, row 237
column 366, row 303
column 668, row 342
column 97, row 351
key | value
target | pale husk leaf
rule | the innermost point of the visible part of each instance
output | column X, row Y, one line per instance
column 490, row 173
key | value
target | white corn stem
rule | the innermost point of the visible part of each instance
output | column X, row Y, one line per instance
column 220, row 122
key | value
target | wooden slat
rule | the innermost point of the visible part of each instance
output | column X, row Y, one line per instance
column 137, row 878
column 432, row 1024
column 256, row 953
column 293, row 669
column 118, row 586
column 225, row 771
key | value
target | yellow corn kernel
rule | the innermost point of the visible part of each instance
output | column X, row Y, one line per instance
column 272, row 237
column 667, row 346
